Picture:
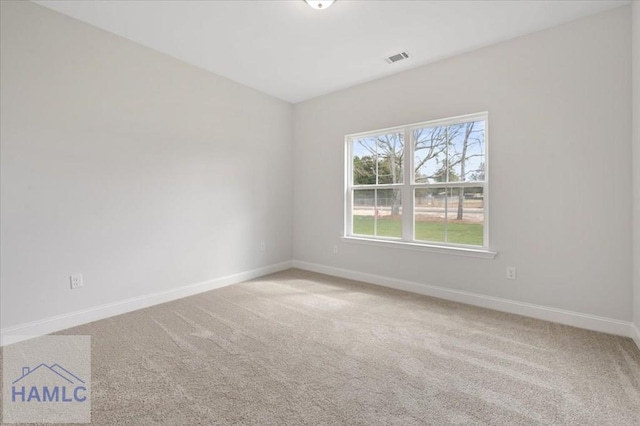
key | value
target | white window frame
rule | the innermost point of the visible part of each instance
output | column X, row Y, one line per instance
column 408, row 187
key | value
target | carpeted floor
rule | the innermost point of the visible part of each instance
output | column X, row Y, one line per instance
column 298, row 348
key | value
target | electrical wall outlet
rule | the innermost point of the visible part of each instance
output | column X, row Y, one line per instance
column 263, row 246
column 76, row 281
column 511, row 272
column 335, row 249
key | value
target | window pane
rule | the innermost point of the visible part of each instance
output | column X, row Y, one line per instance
column 390, row 158
column 389, row 213
column 430, row 154
column 430, row 212
column 378, row 159
column 363, row 212
column 465, row 216
column 364, row 161
column 466, row 151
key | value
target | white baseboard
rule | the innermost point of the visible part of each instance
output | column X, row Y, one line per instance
column 575, row 319
column 635, row 334
column 49, row 325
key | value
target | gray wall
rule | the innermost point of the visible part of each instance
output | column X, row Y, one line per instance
column 636, row 163
column 138, row 171
column 560, row 174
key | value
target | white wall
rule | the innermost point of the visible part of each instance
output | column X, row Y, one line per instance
column 560, row 125
column 636, row 165
column 138, row 171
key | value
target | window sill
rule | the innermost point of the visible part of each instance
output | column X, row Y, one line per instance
column 456, row 251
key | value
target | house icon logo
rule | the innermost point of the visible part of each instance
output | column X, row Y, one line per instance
column 48, row 383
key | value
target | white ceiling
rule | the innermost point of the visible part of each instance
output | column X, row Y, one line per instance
column 293, row 52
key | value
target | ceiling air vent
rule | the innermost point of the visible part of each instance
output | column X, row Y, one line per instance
column 397, row 57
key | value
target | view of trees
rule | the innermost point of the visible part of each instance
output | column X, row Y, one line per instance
column 453, row 153
column 380, row 162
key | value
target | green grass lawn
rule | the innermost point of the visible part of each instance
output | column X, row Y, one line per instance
column 458, row 233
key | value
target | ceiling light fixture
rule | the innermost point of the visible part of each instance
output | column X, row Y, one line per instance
column 319, row 4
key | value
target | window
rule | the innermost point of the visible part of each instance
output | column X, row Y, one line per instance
column 422, row 184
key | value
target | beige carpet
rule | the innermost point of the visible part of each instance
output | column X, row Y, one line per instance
column 298, row 348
